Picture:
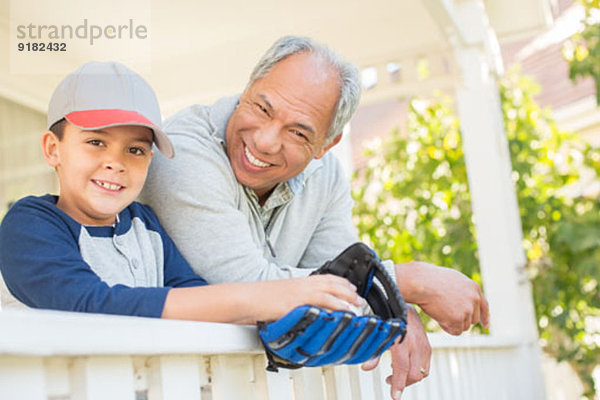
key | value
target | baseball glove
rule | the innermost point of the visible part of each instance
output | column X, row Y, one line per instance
column 312, row 336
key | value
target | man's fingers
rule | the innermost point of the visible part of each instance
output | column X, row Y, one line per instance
column 394, row 392
column 419, row 366
column 455, row 328
column 370, row 364
column 467, row 323
column 485, row 313
column 476, row 316
column 415, row 374
column 400, row 368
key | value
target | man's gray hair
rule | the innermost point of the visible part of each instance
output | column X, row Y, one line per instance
column 347, row 73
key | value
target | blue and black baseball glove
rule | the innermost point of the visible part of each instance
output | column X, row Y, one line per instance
column 312, row 336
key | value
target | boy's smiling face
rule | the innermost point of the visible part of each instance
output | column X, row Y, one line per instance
column 100, row 172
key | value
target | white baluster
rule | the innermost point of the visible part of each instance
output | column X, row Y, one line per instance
column 22, row 378
column 465, row 360
column 58, row 383
column 337, row 382
column 383, row 370
column 272, row 385
column 141, row 370
column 204, row 378
column 233, row 377
column 174, row 377
column 495, row 384
column 308, row 384
column 361, row 383
column 101, row 378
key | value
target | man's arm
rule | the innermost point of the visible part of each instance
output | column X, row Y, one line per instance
column 448, row 296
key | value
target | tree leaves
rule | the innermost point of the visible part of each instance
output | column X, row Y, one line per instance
column 582, row 50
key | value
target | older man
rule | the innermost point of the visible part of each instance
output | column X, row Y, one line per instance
column 254, row 194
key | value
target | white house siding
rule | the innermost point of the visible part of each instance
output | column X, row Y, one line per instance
column 23, row 170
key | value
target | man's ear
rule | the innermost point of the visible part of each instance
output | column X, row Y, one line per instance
column 50, row 148
column 325, row 149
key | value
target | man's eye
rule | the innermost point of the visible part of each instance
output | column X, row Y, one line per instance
column 299, row 134
column 261, row 108
column 96, row 142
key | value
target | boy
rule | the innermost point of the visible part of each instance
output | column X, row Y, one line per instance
column 94, row 249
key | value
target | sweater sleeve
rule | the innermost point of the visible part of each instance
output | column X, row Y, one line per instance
column 43, row 268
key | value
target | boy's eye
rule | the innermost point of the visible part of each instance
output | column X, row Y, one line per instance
column 96, row 142
column 138, row 151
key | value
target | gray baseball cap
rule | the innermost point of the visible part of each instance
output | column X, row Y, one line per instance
column 105, row 94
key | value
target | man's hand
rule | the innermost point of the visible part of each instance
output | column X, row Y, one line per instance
column 410, row 359
column 446, row 295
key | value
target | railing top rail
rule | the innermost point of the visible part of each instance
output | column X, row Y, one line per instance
column 45, row 333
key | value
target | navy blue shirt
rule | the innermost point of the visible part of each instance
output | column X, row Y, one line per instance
column 48, row 260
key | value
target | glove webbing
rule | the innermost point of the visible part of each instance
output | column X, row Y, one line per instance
column 359, row 264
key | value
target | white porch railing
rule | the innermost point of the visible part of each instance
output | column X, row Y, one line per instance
column 46, row 355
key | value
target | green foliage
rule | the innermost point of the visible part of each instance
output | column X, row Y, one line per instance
column 413, row 202
column 582, row 50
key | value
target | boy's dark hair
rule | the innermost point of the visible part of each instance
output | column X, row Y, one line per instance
column 58, row 128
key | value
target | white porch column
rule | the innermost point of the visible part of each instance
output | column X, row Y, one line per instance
column 497, row 222
column 343, row 151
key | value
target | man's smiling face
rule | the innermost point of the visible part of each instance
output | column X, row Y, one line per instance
column 281, row 122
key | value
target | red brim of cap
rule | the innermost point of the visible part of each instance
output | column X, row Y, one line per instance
column 98, row 119
column 95, row 119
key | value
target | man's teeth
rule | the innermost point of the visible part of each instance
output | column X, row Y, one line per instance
column 253, row 160
column 108, row 186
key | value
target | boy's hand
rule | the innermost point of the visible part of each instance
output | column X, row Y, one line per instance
column 327, row 291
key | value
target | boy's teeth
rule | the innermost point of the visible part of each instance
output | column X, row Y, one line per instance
column 253, row 160
column 108, row 186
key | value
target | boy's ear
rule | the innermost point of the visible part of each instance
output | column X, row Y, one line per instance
column 325, row 149
column 50, row 148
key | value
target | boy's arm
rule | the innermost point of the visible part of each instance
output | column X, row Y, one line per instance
column 43, row 268
column 249, row 302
